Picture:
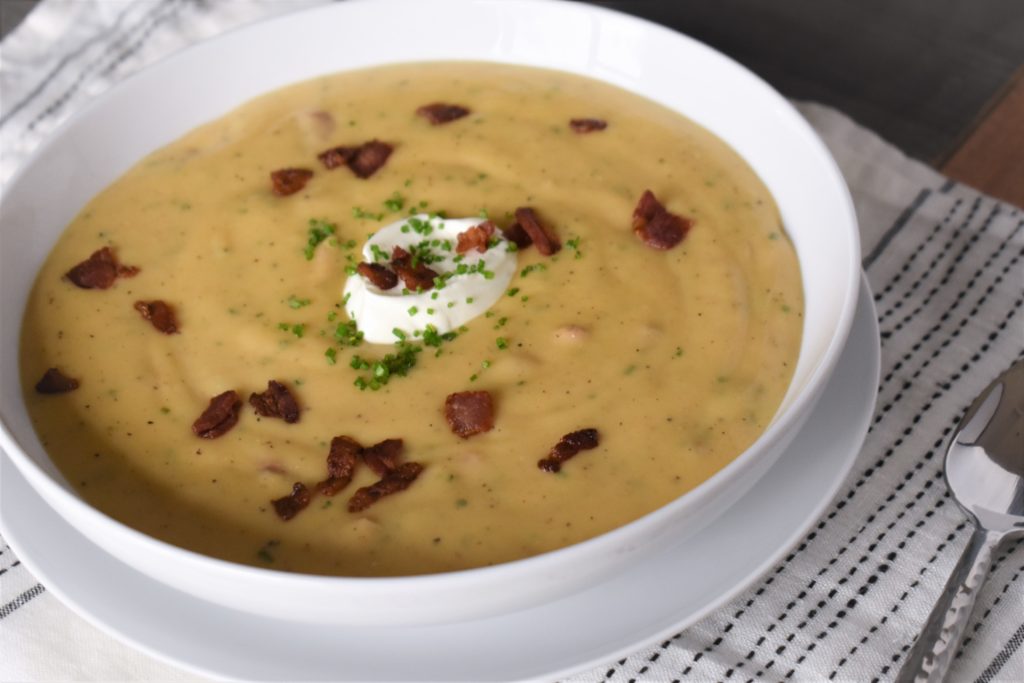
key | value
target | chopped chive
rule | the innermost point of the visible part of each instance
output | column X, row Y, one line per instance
column 319, row 230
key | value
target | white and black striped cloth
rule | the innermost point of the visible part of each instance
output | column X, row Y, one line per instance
column 944, row 263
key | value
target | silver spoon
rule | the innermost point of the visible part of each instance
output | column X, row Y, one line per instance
column 985, row 473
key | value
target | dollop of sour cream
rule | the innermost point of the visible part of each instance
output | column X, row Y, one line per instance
column 471, row 282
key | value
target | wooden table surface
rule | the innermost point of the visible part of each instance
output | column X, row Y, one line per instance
column 940, row 79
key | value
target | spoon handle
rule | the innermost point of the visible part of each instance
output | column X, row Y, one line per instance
column 929, row 659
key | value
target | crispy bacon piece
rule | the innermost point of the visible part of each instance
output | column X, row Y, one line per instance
column 439, row 113
column 570, row 444
column 400, row 256
column 220, row 416
column 469, row 412
column 341, row 461
column 369, row 157
column 378, row 275
column 658, row 228
column 336, row 156
column 383, row 457
column 587, row 125
column 99, row 270
column 160, row 314
column 515, row 234
column 398, row 479
column 290, row 505
column 288, row 181
column 547, row 243
column 341, row 464
column 478, row 237
column 54, row 381
column 364, row 160
column 416, row 278
column 276, row 401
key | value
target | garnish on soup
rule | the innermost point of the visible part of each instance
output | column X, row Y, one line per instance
column 54, row 381
column 657, row 227
column 545, row 240
column 439, row 113
column 160, row 314
column 364, row 160
column 398, row 479
column 469, row 413
column 219, row 417
column 288, row 181
column 99, row 271
column 567, row 447
column 276, row 401
column 587, row 125
column 296, row 501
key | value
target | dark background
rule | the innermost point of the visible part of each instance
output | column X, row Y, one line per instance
column 919, row 72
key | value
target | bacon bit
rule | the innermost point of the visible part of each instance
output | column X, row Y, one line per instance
column 478, row 237
column 469, row 412
column 290, row 505
column 341, row 465
column 288, row 181
column 377, row 275
column 416, row 278
column 587, row 125
column 342, row 460
column 439, row 113
column 336, row 156
column 54, row 381
column 398, row 479
column 400, row 256
column 517, row 236
column 570, row 445
column 99, row 271
column 276, row 401
column 658, row 228
column 220, row 416
column 547, row 243
column 160, row 314
column 370, row 157
column 363, row 160
column 383, row 457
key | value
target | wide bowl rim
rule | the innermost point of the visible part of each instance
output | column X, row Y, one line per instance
column 784, row 424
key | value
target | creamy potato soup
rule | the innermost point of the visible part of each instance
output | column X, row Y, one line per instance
column 606, row 369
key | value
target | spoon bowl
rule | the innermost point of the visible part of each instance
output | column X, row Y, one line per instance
column 985, row 461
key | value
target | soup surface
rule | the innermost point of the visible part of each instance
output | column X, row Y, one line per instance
column 678, row 357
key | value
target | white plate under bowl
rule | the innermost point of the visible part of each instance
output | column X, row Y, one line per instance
column 641, row 606
column 203, row 82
